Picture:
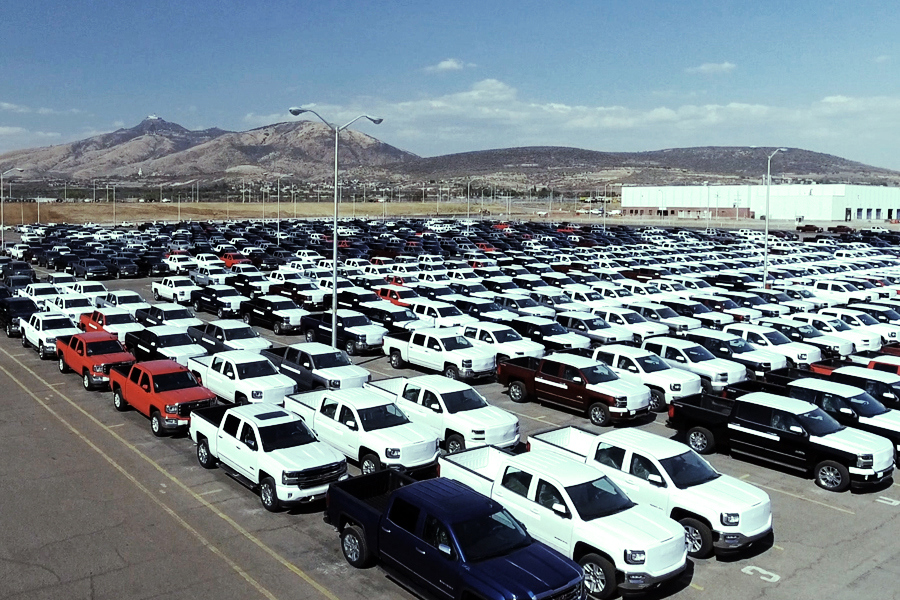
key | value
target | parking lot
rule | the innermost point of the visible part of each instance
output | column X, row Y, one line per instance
column 96, row 507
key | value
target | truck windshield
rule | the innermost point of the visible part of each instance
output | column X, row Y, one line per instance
column 381, row 417
column 408, row 294
column 698, row 354
column 866, row 319
column 261, row 368
column 227, row 292
column 525, row 303
column 598, row 498
column 598, row 374
column 808, row 331
column 119, row 319
column 777, row 338
column 688, row 470
column 129, row 299
column 57, row 324
column 463, row 400
column 305, row 286
column 632, row 317
column 839, row 325
column 284, row 305
column 552, row 329
column 241, row 333
column 867, row 406
column 174, row 340
column 489, row 536
column 21, row 306
column 739, row 346
column 889, row 314
column 506, row 335
column 456, row 343
column 356, row 321
column 104, row 347
column 168, row 382
column 404, row 315
column 697, row 309
column 285, row 435
column 76, row 302
column 666, row 313
column 179, row 283
column 817, row 422
column 330, row 359
column 652, row 364
column 449, row 311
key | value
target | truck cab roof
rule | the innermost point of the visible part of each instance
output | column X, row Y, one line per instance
column 448, row 498
column 656, row 446
column 797, row 407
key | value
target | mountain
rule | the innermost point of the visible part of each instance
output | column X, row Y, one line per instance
column 156, row 151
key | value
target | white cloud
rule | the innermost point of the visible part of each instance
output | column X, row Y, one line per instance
column 118, row 123
column 19, row 108
column 882, row 58
column 712, row 69
column 12, row 130
column 14, row 107
column 450, row 64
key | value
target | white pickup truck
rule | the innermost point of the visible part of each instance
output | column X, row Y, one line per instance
column 269, row 449
column 443, row 350
column 718, row 512
column 42, row 329
column 241, row 376
column 366, row 428
column 580, row 513
column 460, row 415
column 174, row 289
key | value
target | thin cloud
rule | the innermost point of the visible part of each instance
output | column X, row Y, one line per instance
column 12, row 130
column 19, row 108
column 450, row 64
column 882, row 58
column 712, row 69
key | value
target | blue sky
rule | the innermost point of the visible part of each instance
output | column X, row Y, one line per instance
column 455, row 76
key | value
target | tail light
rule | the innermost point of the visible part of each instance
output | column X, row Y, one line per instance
column 671, row 411
column 437, row 471
column 528, row 446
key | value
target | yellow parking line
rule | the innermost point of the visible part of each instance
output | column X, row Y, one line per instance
column 799, row 497
column 538, row 419
column 249, row 536
column 696, row 587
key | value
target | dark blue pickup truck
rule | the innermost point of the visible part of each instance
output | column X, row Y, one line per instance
column 447, row 539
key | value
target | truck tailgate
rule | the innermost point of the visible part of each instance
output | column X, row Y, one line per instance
column 478, row 468
column 570, row 441
column 388, row 388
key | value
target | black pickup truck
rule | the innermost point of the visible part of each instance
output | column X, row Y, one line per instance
column 786, row 432
column 305, row 293
column 280, row 314
column 315, row 366
column 848, row 405
column 162, row 342
column 220, row 300
column 355, row 332
column 166, row 313
column 14, row 309
column 885, row 387
column 445, row 539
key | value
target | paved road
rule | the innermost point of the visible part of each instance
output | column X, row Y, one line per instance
column 95, row 507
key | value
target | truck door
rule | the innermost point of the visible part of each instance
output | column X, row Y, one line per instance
column 645, row 482
column 547, row 381
column 399, row 543
column 547, row 524
column 409, row 402
column 248, row 451
column 298, row 366
column 348, row 429
column 228, row 445
column 438, row 555
column 216, row 380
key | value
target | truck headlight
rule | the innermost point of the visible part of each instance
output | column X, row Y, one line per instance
column 467, row 363
column 621, row 401
column 675, row 387
column 51, row 340
column 635, row 557
column 864, row 461
column 392, row 452
column 722, row 377
column 290, row 477
column 801, row 356
column 256, row 394
column 835, row 348
column 478, row 434
column 334, row 383
column 171, row 409
column 99, row 368
column 730, row 519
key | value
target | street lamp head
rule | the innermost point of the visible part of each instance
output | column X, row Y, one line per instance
column 375, row 120
column 296, row 110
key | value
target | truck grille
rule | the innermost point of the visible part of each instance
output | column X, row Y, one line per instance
column 321, row 475
column 185, row 408
column 570, row 593
column 111, row 366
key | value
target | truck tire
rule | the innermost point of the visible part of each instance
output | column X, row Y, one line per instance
column 599, row 414
column 832, row 476
column 246, row 318
column 706, row 384
column 63, row 367
column 276, row 329
column 350, row 347
column 240, row 400
column 518, row 393
column 451, row 372
column 396, row 360
column 41, row 353
column 310, row 335
column 119, row 402
column 455, row 443
column 24, row 341
column 699, row 537
column 268, row 494
column 156, row 295
column 353, row 545
column 369, row 464
column 701, row 440
column 156, row 424
column 9, row 330
column 599, row 576
column 657, row 401
column 204, row 456
column 86, row 381
column 220, row 312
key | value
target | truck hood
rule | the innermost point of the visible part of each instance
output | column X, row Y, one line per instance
column 844, row 346
column 455, row 321
column 489, row 417
column 185, row 395
column 885, row 330
column 255, row 344
column 531, row 572
column 121, row 330
column 801, row 305
column 889, row 421
column 777, row 361
column 649, row 329
column 728, row 494
column 795, row 349
column 133, row 308
column 858, row 442
column 349, row 376
column 774, row 309
column 637, row 395
column 293, row 315
column 499, row 315
column 272, row 382
column 735, row 371
column 518, row 348
column 233, row 302
column 185, row 323
column 111, row 359
column 307, row 456
column 715, row 317
column 681, row 323
column 644, row 528
column 748, row 314
column 539, row 311
column 667, row 376
column 403, row 436
column 372, row 334
column 181, row 354
column 570, row 340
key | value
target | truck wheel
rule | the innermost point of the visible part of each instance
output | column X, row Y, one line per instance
column 268, row 495
column 599, row 414
column 501, row 358
column 119, row 400
column 369, row 464
column 63, row 367
column 310, row 335
column 220, row 313
column 240, row 400
column 41, row 354
column 156, row 295
column 701, row 440
column 396, row 360
column 9, row 330
column 156, row 424
column 204, row 457
column 246, row 318
column 455, row 443
column 86, row 381
column 599, row 576
column 518, row 393
column 657, row 401
column 451, row 372
column 353, row 545
column 196, row 306
column 832, row 476
column 276, row 329
column 350, row 347
column 24, row 341
column 706, row 384
column 699, row 538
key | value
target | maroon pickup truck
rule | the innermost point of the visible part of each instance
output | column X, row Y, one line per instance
column 577, row 382
column 92, row 355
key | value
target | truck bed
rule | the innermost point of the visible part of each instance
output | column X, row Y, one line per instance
column 785, row 376
column 363, row 499
column 212, row 415
column 276, row 353
column 478, row 468
column 401, row 336
column 569, row 440
column 201, row 360
column 389, row 388
column 304, row 403
column 740, row 388
column 701, row 409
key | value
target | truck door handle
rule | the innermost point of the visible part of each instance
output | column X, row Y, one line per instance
column 420, row 551
column 385, row 529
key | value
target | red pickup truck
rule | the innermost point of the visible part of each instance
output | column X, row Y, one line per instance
column 162, row 390
column 92, row 355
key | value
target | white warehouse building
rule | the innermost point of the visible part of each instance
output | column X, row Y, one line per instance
column 828, row 202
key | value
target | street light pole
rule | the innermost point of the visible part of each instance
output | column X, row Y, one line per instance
column 334, row 237
column 279, row 205
column 2, row 224
column 768, row 188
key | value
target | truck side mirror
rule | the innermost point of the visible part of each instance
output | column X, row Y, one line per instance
column 577, row 379
column 656, row 480
column 445, row 550
column 560, row 509
column 351, row 425
column 847, row 411
column 797, row 430
column 145, row 387
column 436, row 407
column 680, row 359
column 633, row 369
